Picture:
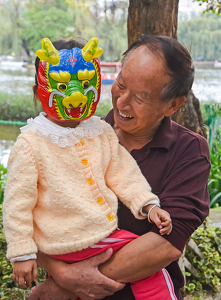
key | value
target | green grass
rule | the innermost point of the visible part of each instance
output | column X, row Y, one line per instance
column 17, row 107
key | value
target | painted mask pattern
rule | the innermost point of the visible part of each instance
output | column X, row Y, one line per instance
column 69, row 81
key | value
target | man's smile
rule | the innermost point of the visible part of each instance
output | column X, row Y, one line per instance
column 123, row 116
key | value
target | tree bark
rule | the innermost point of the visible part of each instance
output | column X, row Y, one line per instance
column 160, row 17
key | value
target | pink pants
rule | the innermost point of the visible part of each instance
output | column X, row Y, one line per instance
column 158, row 286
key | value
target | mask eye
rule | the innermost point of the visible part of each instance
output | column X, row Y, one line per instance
column 85, row 84
column 62, row 87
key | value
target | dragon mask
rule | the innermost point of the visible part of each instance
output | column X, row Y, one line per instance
column 69, row 81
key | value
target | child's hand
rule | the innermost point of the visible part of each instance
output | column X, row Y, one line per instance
column 22, row 272
column 162, row 220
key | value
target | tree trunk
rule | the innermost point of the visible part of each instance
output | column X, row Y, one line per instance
column 160, row 17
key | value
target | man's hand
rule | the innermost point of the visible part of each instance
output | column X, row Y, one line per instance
column 85, row 280
column 49, row 290
column 82, row 278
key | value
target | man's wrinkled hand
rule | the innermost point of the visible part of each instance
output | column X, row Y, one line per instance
column 84, row 279
column 49, row 290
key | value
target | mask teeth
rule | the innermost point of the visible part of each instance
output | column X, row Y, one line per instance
column 81, row 109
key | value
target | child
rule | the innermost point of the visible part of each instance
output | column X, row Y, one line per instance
column 66, row 171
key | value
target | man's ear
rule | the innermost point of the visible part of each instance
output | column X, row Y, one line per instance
column 173, row 105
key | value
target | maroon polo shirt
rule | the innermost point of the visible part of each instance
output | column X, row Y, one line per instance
column 176, row 164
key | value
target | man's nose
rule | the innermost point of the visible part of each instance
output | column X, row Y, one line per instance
column 123, row 101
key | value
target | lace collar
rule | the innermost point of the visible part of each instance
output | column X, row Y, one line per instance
column 63, row 136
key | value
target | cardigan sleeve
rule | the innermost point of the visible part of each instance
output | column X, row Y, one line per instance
column 124, row 178
column 19, row 200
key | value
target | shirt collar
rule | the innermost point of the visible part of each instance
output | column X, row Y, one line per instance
column 63, row 136
column 165, row 136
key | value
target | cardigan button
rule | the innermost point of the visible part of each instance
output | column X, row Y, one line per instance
column 90, row 181
column 82, row 143
column 100, row 200
column 110, row 217
column 84, row 161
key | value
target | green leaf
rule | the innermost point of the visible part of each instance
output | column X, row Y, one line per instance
column 192, row 286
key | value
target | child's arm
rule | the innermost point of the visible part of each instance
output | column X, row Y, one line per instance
column 123, row 176
column 20, row 198
column 160, row 217
column 23, row 271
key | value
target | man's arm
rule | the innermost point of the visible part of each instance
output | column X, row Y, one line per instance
column 82, row 278
column 137, row 260
column 140, row 258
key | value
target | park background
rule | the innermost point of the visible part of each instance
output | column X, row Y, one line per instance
column 23, row 24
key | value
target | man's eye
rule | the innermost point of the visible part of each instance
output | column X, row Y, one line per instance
column 85, row 84
column 62, row 87
column 121, row 86
column 138, row 100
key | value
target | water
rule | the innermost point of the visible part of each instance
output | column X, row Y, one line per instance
column 5, row 148
column 207, row 82
column 19, row 78
column 16, row 77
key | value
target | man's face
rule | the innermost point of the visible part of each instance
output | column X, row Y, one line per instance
column 137, row 105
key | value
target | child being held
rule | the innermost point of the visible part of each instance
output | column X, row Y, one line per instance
column 67, row 169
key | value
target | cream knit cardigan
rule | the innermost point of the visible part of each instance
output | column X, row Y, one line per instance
column 62, row 187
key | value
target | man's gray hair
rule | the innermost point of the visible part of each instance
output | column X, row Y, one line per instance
column 177, row 59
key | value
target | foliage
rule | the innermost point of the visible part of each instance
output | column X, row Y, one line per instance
column 17, row 107
column 58, row 19
column 10, row 26
column 8, row 288
column 3, row 177
column 212, row 5
column 202, row 36
column 103, row 108
column 208, row 240
column 212, row 119
column 214, row 183
column 47, row 19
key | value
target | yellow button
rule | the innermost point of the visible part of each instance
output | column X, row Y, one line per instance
column 90, row 181
column 100, row 200
column 84, row 161
column 110, row 217
column 82, row 143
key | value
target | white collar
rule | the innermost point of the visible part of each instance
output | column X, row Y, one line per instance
column 63, row 136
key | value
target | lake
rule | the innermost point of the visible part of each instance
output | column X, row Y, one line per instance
column 207, row 83
column 19, row 78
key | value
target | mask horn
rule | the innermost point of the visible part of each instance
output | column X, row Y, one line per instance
column 48, row 52
column 91, row 49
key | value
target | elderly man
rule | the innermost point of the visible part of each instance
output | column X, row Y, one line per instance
column 156, row 76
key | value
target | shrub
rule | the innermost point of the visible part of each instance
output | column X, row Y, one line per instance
column 208, row 240
column 17, row 107
column 212, row 119
column 103, row 108
column 3, row 177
